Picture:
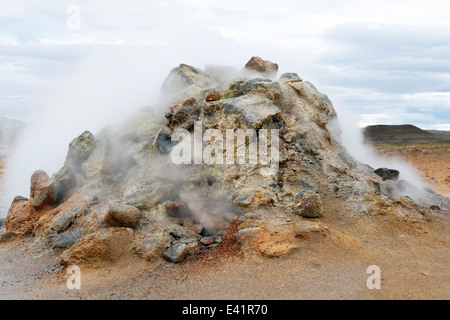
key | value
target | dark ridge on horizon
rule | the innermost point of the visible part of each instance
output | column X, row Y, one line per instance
column 403, row 134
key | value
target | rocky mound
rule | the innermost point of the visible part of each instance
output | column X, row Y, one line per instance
column 123, row 191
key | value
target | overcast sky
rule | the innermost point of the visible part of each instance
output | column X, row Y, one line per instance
column 382, row 61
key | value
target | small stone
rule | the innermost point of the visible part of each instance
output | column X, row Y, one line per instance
column 176, row 253
column 206, row 241
column 310, row 205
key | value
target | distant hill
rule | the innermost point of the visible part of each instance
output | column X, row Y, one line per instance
column 440, row 132
column 9, row 130
column 387, row 134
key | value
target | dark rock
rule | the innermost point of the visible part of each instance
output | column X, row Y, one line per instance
column 435, row 207
column 387, row 174
column 176, row 253
column 207, row 232
column 164, row 142
column 178, row 210
column 65, row 219
column 67, row 239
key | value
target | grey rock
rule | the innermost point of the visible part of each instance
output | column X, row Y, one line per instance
column 67, row 239
column 255, row 112
column 176, row 253
column 184, row 76
column 387, row 174
column 290, row 77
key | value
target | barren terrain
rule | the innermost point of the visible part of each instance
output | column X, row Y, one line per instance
column 413, row 258
column 433, row 161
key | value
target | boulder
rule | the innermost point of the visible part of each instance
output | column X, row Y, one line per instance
column 65, row 179
column 67, row 239
column 178, row 209
column 81, row 148
column 263, row 66
column 151, row 248
column 184, row 76
column 107, row 245
column 122, row 215
column 183, row 114
column 177, row 252
column 255, row 112
column 310, row 205
column 20, row 216
column 387, row 174
column 41, row 190
column 259, row 86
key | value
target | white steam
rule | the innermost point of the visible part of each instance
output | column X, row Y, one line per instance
column 353, row 141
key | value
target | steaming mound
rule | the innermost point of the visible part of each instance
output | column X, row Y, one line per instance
column 390, row 134
column 132, row 189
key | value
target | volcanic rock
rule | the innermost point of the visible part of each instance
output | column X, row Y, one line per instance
column 181, row 112
column 262, row 66
column 122, row 215
column 41, row 191
column 20, row 216
column 310, row 205
column 387, row 174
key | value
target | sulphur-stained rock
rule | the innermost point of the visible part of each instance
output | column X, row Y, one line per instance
column 65, row 179
column 81, row 148
column 310, row 205
column 387, row 174
column 184, row 76
column 260, row 65
column 273, row 249
column 182, row 112
column 107, row 245
column 122, row 215
column 256, row 113
column 41, row 191
column 317, row 100
column 212, row 95
column 259, row 87
column 20, row 216
column 305, row 228
column 290, row 77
